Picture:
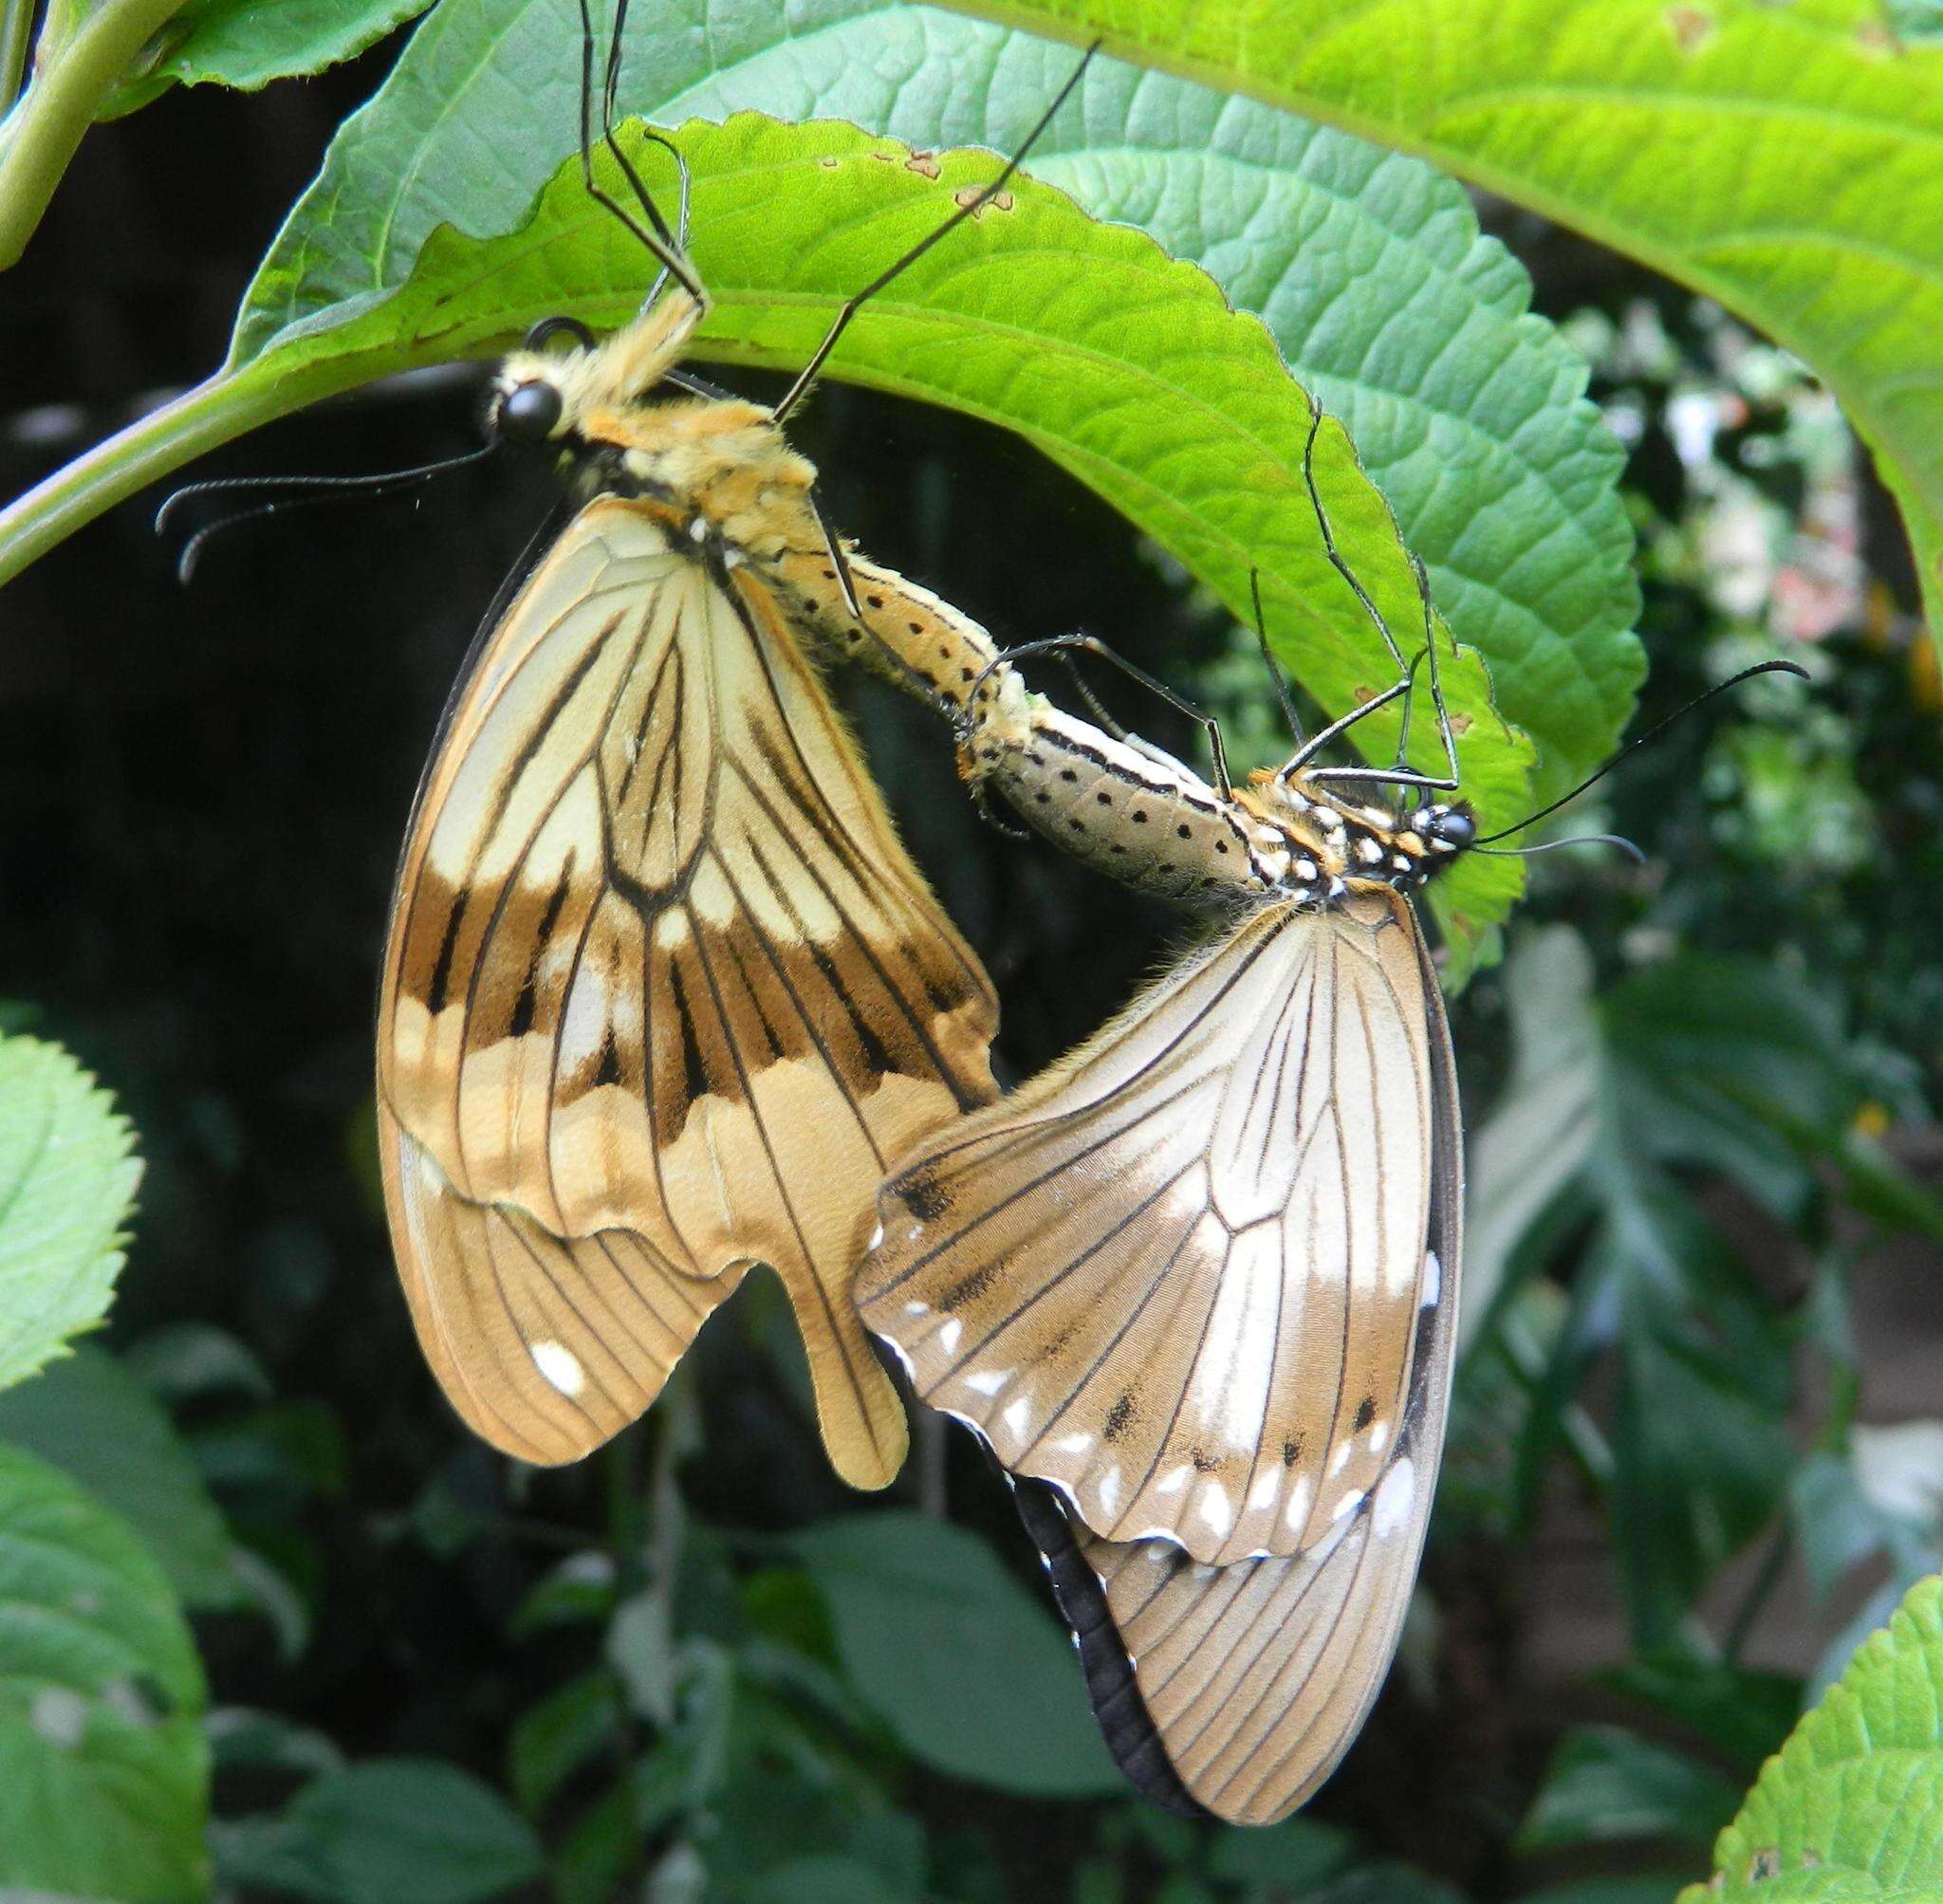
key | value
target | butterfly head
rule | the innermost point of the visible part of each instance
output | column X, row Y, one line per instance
column 564, row 387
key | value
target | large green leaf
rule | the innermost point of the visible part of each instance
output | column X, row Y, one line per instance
column 90, row 1416
column 1781, row 159
column 68, row 1183
column 1604, row 1784
column 1367, row 268
column 1852, row 1806
column 972, row 1677
column 104, row 1771
column 390, row 1831
column 246, row 45
column 1122, row 364
column 1366, row 265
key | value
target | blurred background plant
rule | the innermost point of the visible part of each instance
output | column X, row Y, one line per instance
column 1696, row 1457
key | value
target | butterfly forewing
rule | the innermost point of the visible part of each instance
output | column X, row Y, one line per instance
column 1178, row 1275
column 663, row 996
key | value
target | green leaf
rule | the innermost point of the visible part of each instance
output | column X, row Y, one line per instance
column 1604, row 1784
column 190, row 1361
column 1542, row 1125
column 1292, row 1856
column 389, row 1831
column 1743, row 1714
column 67, row 1178
column 1602, row 1891
column 821, row 1879
column 104, row 1771
column 1852, row 1806
column 968, row 1672
column 89, row 1415
column 1126, row 367
column 1780, row 159
column 553, row 1740
column 246, row 45
column 600, row 1848
column 1366, row 265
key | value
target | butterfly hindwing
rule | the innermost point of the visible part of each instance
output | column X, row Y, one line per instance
column 664, row 995
column 1238, row 1687
column 1177, row 1274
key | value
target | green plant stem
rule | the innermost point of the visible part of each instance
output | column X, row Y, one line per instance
column 40, row 135
column 16, row 36
column 164, row 440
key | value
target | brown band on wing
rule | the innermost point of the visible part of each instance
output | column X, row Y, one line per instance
column 663, row 993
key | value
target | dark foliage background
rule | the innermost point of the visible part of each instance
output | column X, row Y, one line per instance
column 204, row 790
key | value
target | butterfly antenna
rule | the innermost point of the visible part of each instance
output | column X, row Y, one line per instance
column 1275, row 674
column 662, row 243
column 1625, row 846
column 1653, row 732
column 301, row 492
column 1405, row 687
column 972, row 206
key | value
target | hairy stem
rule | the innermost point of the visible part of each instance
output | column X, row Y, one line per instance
column 39, row 137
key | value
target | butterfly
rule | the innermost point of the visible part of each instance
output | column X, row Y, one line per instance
column 1195, row 1285
column 663, row 995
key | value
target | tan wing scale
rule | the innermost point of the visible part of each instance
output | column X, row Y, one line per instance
column 660, row 971
column 1175, row 1275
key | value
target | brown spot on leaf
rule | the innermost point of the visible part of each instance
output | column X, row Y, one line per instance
column 969, row 196
column 924, row 164
column 1691, row 27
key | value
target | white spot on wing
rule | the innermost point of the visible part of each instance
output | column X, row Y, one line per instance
column 947, row 1335
column 559, row 1366
column 1432, row 1279
column 1215, row 1508
column 1264, row 1489
column 1072, row 1444
column 1379, row 1437
column 1298, row 1509
column 1016, row 1412
column 1394, row 1494
column 1174, row 1480
column 914, row 1307
column 1349, row 1504
column 987, row 1381
column 877, row 1236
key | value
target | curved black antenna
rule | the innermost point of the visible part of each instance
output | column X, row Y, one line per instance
column 1633, row 746
column 660, row 242
column 309, row 491
column 1401, row 774
column 854, row 304
column 1618, row 840
column 1275, row 674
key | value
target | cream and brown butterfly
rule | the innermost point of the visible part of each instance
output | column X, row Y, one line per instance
column 1197, row 1285
column 663, row 995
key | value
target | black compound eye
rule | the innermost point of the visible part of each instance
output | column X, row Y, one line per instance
column 1455, row 826
column 529, row 412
